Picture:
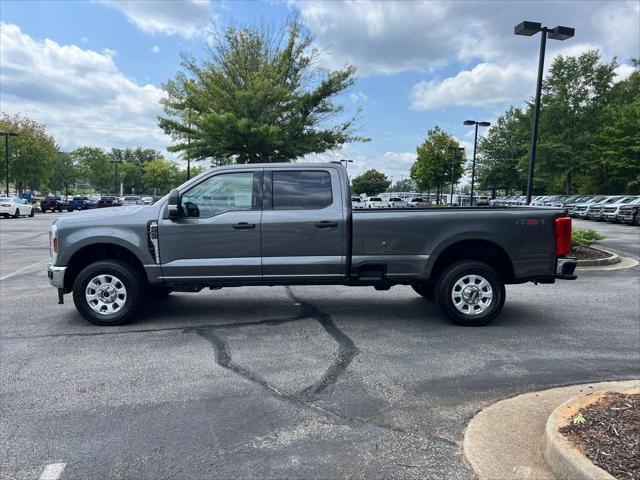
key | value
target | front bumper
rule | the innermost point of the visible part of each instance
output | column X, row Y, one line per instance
column 565, row 266
column 56, row 276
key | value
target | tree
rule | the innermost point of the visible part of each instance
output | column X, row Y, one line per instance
column 371, row 182
column 31, row 153
column 575, row 94
column 434, row 166
column 617, row 140
column 158, row 176
column 405, row 185
column 64, row 173
column 503, row 151
column 95, row 165
column 258, row 97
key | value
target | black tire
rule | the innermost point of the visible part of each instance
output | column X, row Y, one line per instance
column 33, row 212
column 158, row 291
column 636, row 220
column 16, row 214
column 455, row 272
column 126, row 274
column 425, row 289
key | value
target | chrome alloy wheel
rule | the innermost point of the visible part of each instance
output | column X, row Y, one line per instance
column 472, row 294
column 106, row 294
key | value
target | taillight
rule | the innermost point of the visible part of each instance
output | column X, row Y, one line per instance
column 55, row 245
column 563, row 236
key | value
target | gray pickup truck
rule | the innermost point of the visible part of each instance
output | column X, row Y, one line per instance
column 292, row 224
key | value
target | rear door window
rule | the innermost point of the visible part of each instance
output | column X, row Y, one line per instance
column 301, row 190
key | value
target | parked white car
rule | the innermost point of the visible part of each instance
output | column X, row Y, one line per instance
column 397, row 202
column 418, row 202
column 15, row 207
column 131, row 200
column 376, row 202
column 356, row 203
column 147, row 200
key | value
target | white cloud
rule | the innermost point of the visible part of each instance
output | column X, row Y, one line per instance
column 155, row 49
column 80, row 95
column 392, row 164
column 484, row 85
column 390, row 37
column 187, row 18
column 358, row 97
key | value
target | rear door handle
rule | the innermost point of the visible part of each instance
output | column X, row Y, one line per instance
column 326, row 224
column 244, row 226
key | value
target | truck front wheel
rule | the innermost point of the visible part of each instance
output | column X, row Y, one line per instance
column 470, row 293
column 108, row 292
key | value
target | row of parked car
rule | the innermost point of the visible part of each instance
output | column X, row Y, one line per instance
column 610, row 208
column 79, row 202
column 391, row 202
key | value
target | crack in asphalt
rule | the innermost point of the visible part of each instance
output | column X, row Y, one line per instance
column 347, row 349
column 224, row 360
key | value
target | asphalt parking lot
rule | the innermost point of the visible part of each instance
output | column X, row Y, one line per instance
column 273, row 382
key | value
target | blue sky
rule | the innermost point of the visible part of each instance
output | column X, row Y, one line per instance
column 92, row 71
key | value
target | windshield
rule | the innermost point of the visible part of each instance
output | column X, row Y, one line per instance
column 395, row 199
column 417, row 200
column 375, row 199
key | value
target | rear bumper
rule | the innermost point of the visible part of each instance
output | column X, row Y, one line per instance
column 56, row 276
column 565, row 268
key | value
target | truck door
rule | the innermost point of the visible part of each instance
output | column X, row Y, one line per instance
column 303, row 224
column 218, row 234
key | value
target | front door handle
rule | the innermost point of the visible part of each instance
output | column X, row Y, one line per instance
column 244, row 226
column 326, row 224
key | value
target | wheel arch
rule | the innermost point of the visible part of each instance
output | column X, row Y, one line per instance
column 482, row 250
column 94, row 252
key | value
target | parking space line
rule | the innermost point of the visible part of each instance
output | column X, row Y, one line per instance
column 53, row 471
column 9, row 275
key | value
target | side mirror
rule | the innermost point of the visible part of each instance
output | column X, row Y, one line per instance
column 173, row 206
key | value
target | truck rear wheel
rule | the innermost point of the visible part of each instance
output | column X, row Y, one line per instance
column 470, row 293
column 108, row 292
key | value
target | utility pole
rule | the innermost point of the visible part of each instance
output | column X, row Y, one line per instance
column 454, row 150
column 475, row 146
column 562, row 33
column 6, row 158
column 116, row 161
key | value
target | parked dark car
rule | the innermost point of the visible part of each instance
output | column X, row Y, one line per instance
column 55, row 204
column 80, row 203
column 293, row 224
column 108, row 201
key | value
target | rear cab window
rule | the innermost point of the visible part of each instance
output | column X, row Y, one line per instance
column 301, row 190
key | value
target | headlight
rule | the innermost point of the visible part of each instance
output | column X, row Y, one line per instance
column 53, row 243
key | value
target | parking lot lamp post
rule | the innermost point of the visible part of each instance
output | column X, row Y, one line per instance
column 6, row 159
column 116, row 175
column 454, row 150
column 475, row 146
column 558, row 33
column 346, row 163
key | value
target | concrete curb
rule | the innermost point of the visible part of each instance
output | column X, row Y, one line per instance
column 505, row 440
column 614, row 258
column 565, row 461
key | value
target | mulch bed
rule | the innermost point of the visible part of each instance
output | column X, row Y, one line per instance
column 588, row 253
column 610, row 437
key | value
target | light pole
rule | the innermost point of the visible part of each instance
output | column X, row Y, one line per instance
column 6, row 158
column 475, row 145
column 454, row 150
column 558, row 33
column 116, row 175
column 346, row 163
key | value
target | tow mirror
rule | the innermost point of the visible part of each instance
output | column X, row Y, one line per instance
column 173, row 206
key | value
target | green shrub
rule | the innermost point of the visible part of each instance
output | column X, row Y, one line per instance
column 584, row 237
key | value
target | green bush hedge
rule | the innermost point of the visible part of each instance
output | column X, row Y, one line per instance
column 584, row 237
